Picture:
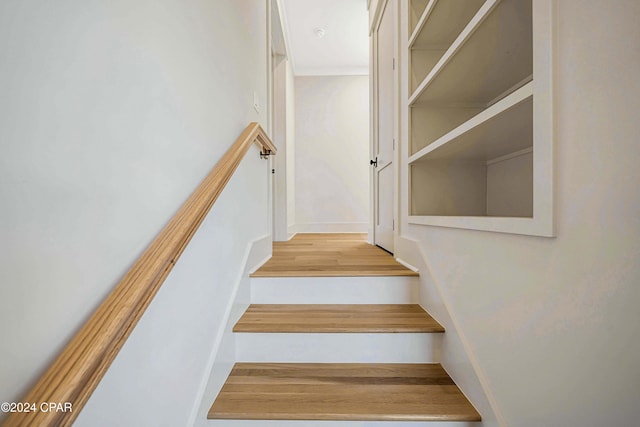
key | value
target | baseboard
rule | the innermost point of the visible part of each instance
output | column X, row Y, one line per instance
column 291, row 231
column 458, row 357
column 331, row 227
column 222, row 356
column 406, row 264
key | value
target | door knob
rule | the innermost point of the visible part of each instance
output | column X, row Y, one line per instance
column 374, row 162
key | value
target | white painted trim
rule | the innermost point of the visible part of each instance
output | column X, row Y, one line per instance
column 292, row 230
column 331, row 227
column 512, row 89
column 545, row 25
column 335, row 290
column 279, row 45
column 333, row 71
column 416, row 250
column 510, row 156
column 372, row 131
column 254, row 257
column 285, row 31
column 423, row 19
column 259, row 264
column 279, row 161
column 268, row 103
column 511, row 225
column 373, row 99
column 406, row 264
column 397, row 159
column 269, row 111
column 371, row 347
column 542, row 223
column 374, row 15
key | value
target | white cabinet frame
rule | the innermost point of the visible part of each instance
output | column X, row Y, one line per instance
column 544, row 134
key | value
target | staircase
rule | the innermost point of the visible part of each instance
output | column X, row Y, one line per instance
column 333, row 334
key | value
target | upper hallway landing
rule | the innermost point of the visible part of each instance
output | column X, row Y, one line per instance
column 330, row 255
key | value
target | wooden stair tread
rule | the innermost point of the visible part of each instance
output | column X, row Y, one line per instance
column 347, row 318
column 330, row 255
column 341, row 391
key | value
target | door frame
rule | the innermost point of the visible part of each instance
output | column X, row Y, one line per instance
column 277, row 82
column 376, row 19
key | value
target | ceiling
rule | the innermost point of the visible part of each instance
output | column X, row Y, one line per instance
column 344, row 48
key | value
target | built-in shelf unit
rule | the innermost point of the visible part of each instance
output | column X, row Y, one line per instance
column 479, row 111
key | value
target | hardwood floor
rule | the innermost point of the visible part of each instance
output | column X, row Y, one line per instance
column 330, row 255
column 336, row 318
column 341, row 391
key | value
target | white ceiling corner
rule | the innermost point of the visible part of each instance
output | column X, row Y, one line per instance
column 344, row 49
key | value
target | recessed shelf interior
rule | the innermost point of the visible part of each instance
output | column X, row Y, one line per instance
column 435, row 33
column 487, row 171
column 490, row 134
column 457, row 188
column 497, row 56
column 473, row 107
column 494, row 61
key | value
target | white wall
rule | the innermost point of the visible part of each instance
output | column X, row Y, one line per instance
column 111, row 113
column 332, row 153
column 167, row 357
column 553, row 324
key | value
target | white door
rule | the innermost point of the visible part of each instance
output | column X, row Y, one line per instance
column 384, row 96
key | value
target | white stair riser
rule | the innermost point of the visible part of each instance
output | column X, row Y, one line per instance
column 304, row 423
column 338, row 347
column 334, row 290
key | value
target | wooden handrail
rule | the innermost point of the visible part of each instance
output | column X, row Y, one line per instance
column 82, row 364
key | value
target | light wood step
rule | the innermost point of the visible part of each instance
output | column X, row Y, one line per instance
column 344, row 391
column 336, row 318
column 330, row 255
column 337, row 333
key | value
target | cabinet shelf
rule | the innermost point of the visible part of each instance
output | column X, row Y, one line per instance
column 482, row 168
column 441, row 22
column 479, row 115
column 492, row 54
column 491, row 58
column 503, row 128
